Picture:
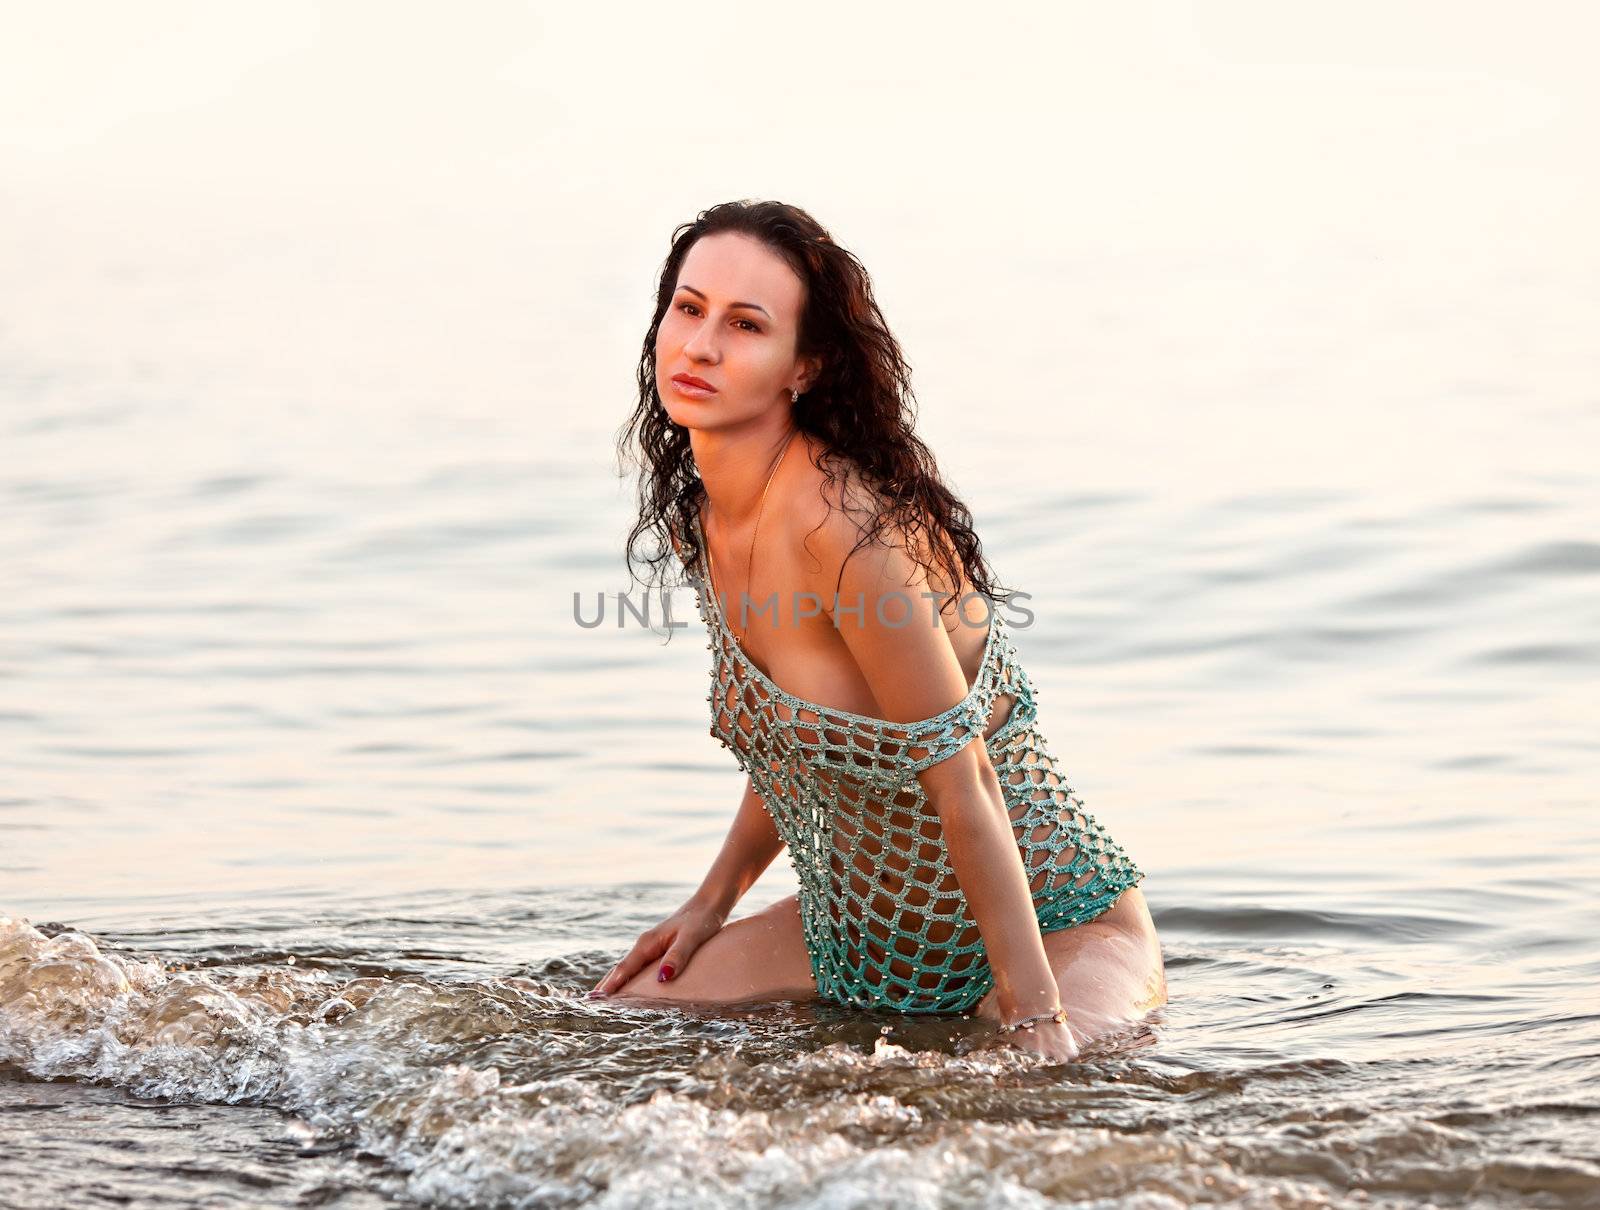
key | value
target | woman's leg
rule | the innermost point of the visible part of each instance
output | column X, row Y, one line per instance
column 757, row 957
column 1109, row 969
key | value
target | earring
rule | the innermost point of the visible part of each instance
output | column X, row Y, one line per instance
column 794, row 395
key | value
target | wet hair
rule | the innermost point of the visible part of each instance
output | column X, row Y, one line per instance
column 860, row 408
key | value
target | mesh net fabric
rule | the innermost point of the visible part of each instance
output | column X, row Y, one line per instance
column 885, row 923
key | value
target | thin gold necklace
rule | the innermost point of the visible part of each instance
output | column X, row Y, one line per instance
column 750, row 562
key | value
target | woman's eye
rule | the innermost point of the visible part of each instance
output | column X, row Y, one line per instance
column 691, row 309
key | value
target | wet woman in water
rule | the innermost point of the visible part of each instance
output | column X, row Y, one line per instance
column 857, row 654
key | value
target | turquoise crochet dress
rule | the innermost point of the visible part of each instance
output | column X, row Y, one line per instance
column 885, row 923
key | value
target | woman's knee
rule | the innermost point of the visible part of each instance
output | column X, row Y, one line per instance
column 758, row 956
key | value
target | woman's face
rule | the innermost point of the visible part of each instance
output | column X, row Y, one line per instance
column 733, row 323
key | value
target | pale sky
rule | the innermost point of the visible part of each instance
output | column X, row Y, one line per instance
column 1223, row 118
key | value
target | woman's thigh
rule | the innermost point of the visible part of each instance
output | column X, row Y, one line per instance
column 757, row 957
column 1109, row 970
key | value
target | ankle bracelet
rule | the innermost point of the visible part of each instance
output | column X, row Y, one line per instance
column 1060, row 1015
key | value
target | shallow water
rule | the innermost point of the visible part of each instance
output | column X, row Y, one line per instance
column 448, row 1055
column 320, row 832
column 320, row 813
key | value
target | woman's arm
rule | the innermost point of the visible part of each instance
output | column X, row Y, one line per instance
column 914, row 674
column 965, row 792
column 752, row 843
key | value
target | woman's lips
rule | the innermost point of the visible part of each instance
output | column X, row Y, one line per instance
column 692, row 388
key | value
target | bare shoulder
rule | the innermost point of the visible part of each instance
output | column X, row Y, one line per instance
column 829, row 511
column 844, row 503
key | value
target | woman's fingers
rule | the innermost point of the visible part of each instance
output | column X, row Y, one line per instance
column 673, row 942
column 644, row 950
column 676, row 958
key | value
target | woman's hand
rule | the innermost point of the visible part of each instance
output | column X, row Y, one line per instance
column 674, row 940
column 1051, row 1039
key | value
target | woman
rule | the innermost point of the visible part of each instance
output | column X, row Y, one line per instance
column 848, row 605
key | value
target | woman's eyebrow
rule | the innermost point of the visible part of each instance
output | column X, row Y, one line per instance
column 752, row 306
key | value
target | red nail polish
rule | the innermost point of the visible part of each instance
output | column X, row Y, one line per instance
column 664, row 973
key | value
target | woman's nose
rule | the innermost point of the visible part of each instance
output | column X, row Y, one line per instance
column 701, row 345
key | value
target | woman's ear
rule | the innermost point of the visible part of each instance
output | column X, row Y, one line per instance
column 810, row 368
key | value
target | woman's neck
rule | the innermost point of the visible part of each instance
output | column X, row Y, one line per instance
column 736, row 467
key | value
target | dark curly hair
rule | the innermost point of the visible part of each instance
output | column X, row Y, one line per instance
column 860, row 408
